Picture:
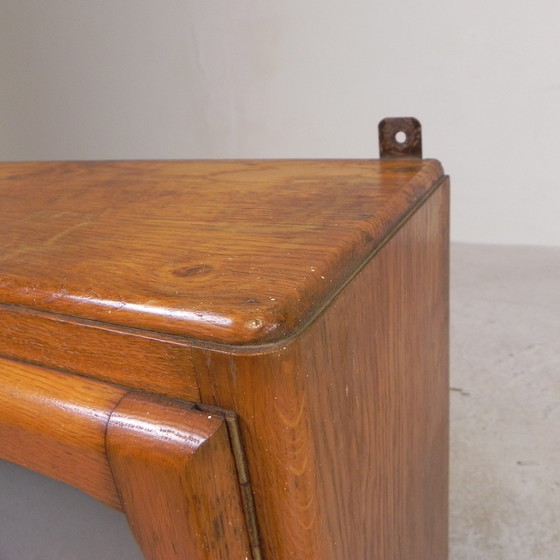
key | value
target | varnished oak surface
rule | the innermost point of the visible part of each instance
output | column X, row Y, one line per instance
column 137, row 360
column 227, row 252
column 177, row 481
column 55, row 424
column 169, row 467
column 346, row 427
column 195, row 280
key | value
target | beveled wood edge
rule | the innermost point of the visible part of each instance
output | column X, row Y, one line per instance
column 444, row 179
column 236, row 348
column 55, row 424
column 97, row 407
column 186, row 453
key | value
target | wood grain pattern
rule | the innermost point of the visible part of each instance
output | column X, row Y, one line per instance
column 54, row 423
column 138, row 360
column 177, row 480
column 230, row 252
column 308, row 297
column 169, row 467
column 345, row 428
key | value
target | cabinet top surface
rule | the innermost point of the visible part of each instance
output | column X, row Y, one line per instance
column 230, row 252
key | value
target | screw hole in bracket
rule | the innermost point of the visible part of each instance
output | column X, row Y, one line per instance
column 400, row 137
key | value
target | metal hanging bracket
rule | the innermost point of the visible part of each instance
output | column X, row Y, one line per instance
column 400, row 137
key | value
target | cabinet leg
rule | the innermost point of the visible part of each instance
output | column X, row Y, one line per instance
column 177, row 481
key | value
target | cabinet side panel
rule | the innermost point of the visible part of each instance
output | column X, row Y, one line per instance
column 346, row 428
column 377, row 366
column 267, row 392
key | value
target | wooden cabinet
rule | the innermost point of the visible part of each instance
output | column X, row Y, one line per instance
column 248, row 358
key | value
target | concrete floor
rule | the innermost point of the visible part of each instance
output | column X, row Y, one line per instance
column 505, row 402
column 505, row 433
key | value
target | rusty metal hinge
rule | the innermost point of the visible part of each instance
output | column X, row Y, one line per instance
column 234, row 433
column 400, row 137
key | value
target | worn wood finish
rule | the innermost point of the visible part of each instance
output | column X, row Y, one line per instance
column 55, row 424
column 346, row 427
column 177, row 480
column 240, row 252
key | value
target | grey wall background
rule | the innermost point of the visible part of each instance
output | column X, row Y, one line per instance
column 252, row 78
